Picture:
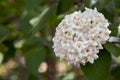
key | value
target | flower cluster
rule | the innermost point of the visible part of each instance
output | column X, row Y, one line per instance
column 80, row 36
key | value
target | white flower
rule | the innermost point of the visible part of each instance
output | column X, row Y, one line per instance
column 80, row 36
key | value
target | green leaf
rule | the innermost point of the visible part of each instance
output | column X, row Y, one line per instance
column 25, row 18
column 35, row 42
column 108, row 15
column 64, row 5
column 87, row 3
column 104, row 4
column 32, row 43
column 99, row 70
column 34, row 58
column 114, row 29
column 42, row 19
column 4, row 32
column 117, row 5
column 116, row 73
column 32, row 77
column 112, row 48
column 10, row 52
column 31, row 4
column 1, row 78
column 1, row 57
column 36, row 76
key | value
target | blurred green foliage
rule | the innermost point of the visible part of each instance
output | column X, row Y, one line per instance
column 27, row 28
column 100, row 67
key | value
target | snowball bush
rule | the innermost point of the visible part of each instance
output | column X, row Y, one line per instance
column 80, row 36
